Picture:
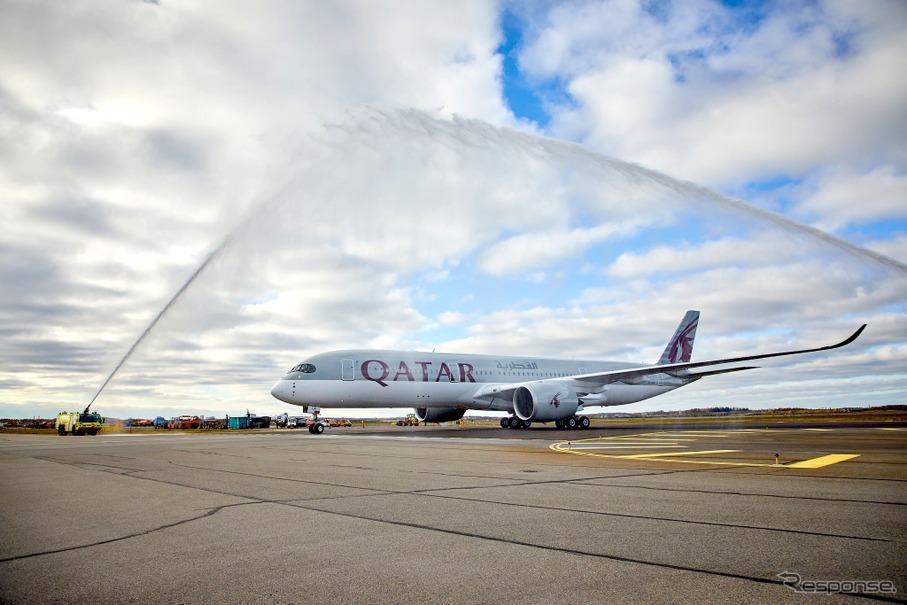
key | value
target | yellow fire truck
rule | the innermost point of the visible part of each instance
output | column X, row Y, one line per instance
column 75, row 423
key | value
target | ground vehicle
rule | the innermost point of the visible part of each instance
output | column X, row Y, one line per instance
column 296, row 422
column 185, row 422
column 341, row 422
column 259, row 422
column 410, row 420
column 74, row 423
column 281, row 420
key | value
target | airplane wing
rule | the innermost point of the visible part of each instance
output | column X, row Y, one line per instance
column 682, row 370
column 596, row 380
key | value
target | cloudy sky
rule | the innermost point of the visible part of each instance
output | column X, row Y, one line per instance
column 545, row 178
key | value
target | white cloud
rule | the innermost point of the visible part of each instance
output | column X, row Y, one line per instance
column 707, row 98
column 452, row 318
column 841, row 197
column 767, row 248
column 137, row 138
column 519, row 253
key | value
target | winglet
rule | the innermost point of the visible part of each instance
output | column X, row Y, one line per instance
column 847, row 341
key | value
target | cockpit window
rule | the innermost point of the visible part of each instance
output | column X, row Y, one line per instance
column 305, row 368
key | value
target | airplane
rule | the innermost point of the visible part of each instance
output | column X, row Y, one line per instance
column 443, row 386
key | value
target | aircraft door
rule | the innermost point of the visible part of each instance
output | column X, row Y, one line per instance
column 347, row 369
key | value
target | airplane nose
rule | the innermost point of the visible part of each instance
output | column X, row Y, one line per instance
column 279, row 391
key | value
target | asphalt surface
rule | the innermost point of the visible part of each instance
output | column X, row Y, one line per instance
column 455, row 515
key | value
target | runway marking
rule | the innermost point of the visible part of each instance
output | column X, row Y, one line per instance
column 661, row 441
column 622, row 447
column 823, row 461
column 661, row 454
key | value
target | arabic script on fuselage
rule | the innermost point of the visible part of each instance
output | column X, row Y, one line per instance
column 512, row 365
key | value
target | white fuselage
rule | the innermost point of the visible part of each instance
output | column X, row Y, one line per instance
column 441, row 386
column 371, row 378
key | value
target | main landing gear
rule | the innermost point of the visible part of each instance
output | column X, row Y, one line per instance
column 512, row 422
column 574, row 422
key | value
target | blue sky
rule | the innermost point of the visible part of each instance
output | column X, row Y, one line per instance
column 525, row 99
column 552, row 178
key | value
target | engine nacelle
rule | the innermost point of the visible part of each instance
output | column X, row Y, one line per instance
column 439, row 414
column 544, row 402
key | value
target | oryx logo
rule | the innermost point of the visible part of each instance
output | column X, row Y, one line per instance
column 682, row 346
column 555, row 401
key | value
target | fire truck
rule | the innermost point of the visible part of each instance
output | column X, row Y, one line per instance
column 76, row 423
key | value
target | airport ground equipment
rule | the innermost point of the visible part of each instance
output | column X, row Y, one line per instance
column 239, row 422
column 185, row 422
column 410, row 420
column 281, row 420
column 75, row 423
column 259, row 422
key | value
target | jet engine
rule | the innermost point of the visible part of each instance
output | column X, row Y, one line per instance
column 544, row 402
column 439, row 414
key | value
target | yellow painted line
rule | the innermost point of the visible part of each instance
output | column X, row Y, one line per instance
column 714, row 433
column 653, row 441
column 691, row 436
column 890, row 428
column 646, row 446
column 659, row 455
column 819, row 430
column 564, row 449
column 648, row 443
column 822, row 461
column 667, row 438
column 594, row 446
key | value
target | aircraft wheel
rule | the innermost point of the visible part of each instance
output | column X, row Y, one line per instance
column 527, row 424
column 570, row 423
column 584, row 422
column 311, row 429
column 559, row 423
column 505, row 422
column 515, row 422
column 317, row 429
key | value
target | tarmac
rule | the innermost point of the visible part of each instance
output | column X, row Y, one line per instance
column 456, row 515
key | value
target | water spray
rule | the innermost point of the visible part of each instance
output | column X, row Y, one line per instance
column 463, row 135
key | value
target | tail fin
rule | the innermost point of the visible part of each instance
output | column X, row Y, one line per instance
column 680, row 347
